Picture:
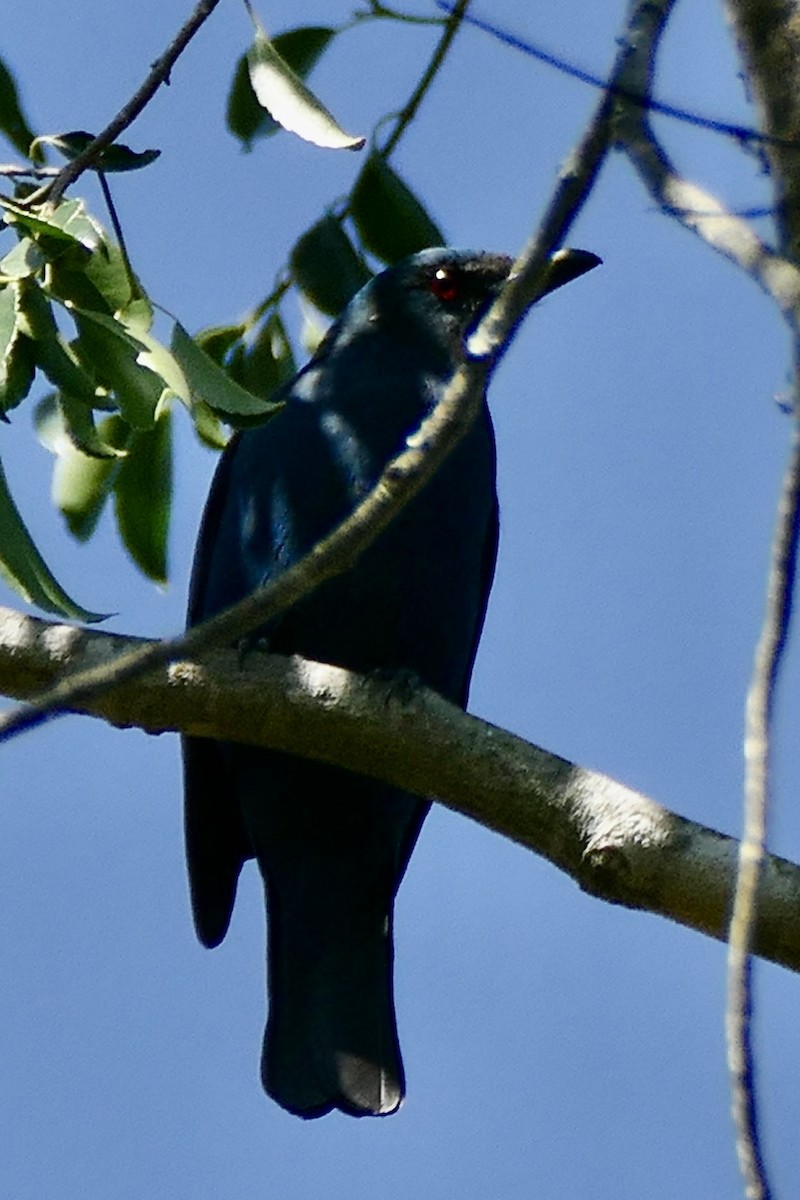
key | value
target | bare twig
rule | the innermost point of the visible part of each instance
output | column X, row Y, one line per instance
column 22, row 171
column 690, row 204
column 706, row 216
column 159, row 74
column 745, row 134
column 780, row 279
column 752, row 851
column 778, row 275
column 408, row 112
column 768, row 38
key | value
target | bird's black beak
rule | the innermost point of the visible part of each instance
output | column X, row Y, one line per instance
column 566, row 265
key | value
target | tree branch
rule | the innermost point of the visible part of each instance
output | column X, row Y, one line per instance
column 409, row 110
column 703, row 214
column 159, row 74
column 752, row 851
column 616, row 844
column 769, row 41
column 768, row 38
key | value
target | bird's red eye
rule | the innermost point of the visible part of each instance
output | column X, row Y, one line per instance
column 446, row 286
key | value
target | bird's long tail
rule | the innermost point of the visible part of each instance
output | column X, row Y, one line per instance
column 331, row 1037
column 332, row 848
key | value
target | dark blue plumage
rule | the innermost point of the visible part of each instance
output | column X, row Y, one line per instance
column 332, row 846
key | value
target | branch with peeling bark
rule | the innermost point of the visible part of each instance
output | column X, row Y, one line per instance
column 615, row 842
column 768, row 36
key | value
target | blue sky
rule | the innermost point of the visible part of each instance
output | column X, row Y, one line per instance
column 554, row 1045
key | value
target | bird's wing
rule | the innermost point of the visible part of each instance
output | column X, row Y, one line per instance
column 216, row 842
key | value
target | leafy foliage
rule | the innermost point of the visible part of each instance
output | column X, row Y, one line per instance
column 73, row 310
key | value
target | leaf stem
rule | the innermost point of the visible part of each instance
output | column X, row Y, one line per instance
column 408, row 113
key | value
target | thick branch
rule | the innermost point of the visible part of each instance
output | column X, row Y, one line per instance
column 614, row 842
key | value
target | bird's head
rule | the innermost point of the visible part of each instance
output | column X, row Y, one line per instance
column 435, row 298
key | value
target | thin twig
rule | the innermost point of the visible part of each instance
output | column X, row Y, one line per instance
column 734, row 238
column 159, row 74
column 394, row 14
column 695, row 208
column 702, row 213
column 117, row 226
column 408, row 112
column 758, row 725
column 742, row 133
column 19, row 171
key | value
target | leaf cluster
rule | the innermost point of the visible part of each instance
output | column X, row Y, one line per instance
column 73, row 312
column 72, row 309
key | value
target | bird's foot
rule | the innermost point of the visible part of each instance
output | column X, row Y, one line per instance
column 402, row 683
column 257, row 640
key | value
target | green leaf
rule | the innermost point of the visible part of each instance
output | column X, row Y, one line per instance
column 50, row 351
column 49, row 424
column 143, row 497
column 69, row 221
column 268, row 361
column 209, row 429
column 245, row 117
column 165, row 365
column 119, row 158
column 137, row 315
column 12, row 119
column 390, row 220
column 116, row 157
column 24, row 260
column 113, row 354
column 98, row 280
column 326, row 267
column 79, row 426
column 212, row 384
column 287, row 99
column 16, row 352
column 81, row 484
column 24, row 569
column 312, row 332
column 72, row 219
column 301, row 50
column 218, row 340
column 81, row 487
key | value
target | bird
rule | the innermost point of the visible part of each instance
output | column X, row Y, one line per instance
column 332, row 846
